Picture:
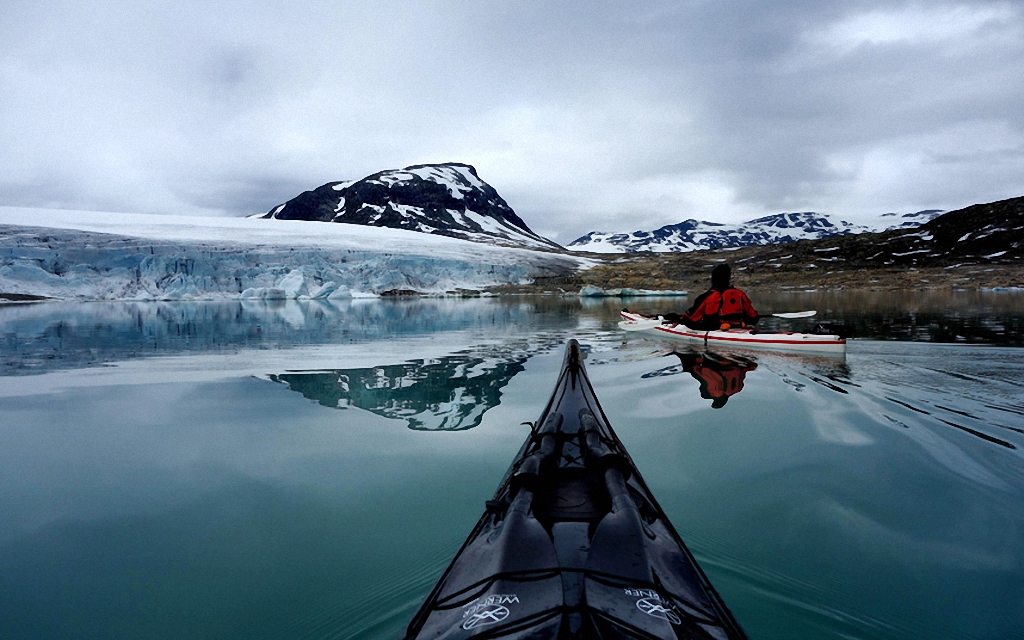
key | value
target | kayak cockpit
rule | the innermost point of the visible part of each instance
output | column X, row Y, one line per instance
column 573, row 545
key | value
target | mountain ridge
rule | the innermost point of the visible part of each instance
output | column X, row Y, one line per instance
column 447, row 199
column 451, row 199
column 780, row 228
column 975, row 247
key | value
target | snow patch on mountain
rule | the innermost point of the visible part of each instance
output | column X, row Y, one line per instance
column 890, row 221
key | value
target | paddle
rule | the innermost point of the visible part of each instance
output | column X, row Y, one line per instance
column 645, row 324
column 639, row 325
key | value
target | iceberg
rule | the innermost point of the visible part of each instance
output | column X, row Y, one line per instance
column 591, row 291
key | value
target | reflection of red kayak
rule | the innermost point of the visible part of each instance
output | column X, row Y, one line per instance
column 749, row 338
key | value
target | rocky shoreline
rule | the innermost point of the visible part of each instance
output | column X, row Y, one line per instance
column 692, row 272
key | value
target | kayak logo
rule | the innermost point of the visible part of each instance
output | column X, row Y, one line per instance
column 489, row 614
column 651, row 603
column 489, row 610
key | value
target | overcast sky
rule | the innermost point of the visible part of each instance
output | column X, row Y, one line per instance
column 598, row 115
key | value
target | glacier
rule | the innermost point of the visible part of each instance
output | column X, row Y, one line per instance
column 119, row 256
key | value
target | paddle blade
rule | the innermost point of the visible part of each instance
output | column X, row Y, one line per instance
column 639, row 325
column 795, row 314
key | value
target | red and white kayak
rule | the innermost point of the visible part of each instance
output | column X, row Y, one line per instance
column 750, row 338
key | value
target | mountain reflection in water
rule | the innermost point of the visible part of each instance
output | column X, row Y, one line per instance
column 445, row 394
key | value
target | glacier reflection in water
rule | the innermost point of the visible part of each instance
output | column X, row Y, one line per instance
column 61, row 335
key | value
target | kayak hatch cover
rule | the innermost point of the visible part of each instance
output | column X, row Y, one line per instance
column 573, row 545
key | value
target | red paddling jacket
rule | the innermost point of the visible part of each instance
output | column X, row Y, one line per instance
column 714, row 308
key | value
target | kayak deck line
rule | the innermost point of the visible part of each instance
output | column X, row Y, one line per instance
column 573, row 545
column 746, row 337
column 707, row 335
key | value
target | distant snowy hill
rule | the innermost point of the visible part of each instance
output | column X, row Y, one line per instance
column 979, row 239
column 446, row 199
column 692, row 235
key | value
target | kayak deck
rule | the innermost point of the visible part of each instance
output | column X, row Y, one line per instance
column 747, row 338
column 573, row 545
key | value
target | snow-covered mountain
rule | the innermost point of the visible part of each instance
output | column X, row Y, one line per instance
column 692, row 235
column 446, row 199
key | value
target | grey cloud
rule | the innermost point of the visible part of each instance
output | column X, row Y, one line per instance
column 611, row 116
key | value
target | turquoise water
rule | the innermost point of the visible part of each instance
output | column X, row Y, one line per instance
column 307, row 470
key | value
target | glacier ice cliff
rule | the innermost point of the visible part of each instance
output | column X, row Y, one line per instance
column 71, row 263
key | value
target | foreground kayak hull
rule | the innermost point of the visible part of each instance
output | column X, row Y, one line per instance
column 746, row 338
column 573, row 545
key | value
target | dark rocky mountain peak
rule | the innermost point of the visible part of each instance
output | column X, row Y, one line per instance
column 446, row 199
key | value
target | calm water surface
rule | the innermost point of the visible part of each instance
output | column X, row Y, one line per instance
column 307, row 470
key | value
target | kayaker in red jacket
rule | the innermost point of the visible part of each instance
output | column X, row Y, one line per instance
column 722, row 306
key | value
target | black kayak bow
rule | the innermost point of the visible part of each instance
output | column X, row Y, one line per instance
column 573, row 545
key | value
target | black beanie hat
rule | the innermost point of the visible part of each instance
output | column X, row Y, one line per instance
column 720, row 277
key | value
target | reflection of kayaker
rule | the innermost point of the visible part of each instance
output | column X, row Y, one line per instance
column 719, row 377
column 573, row 545
column 721, row 307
